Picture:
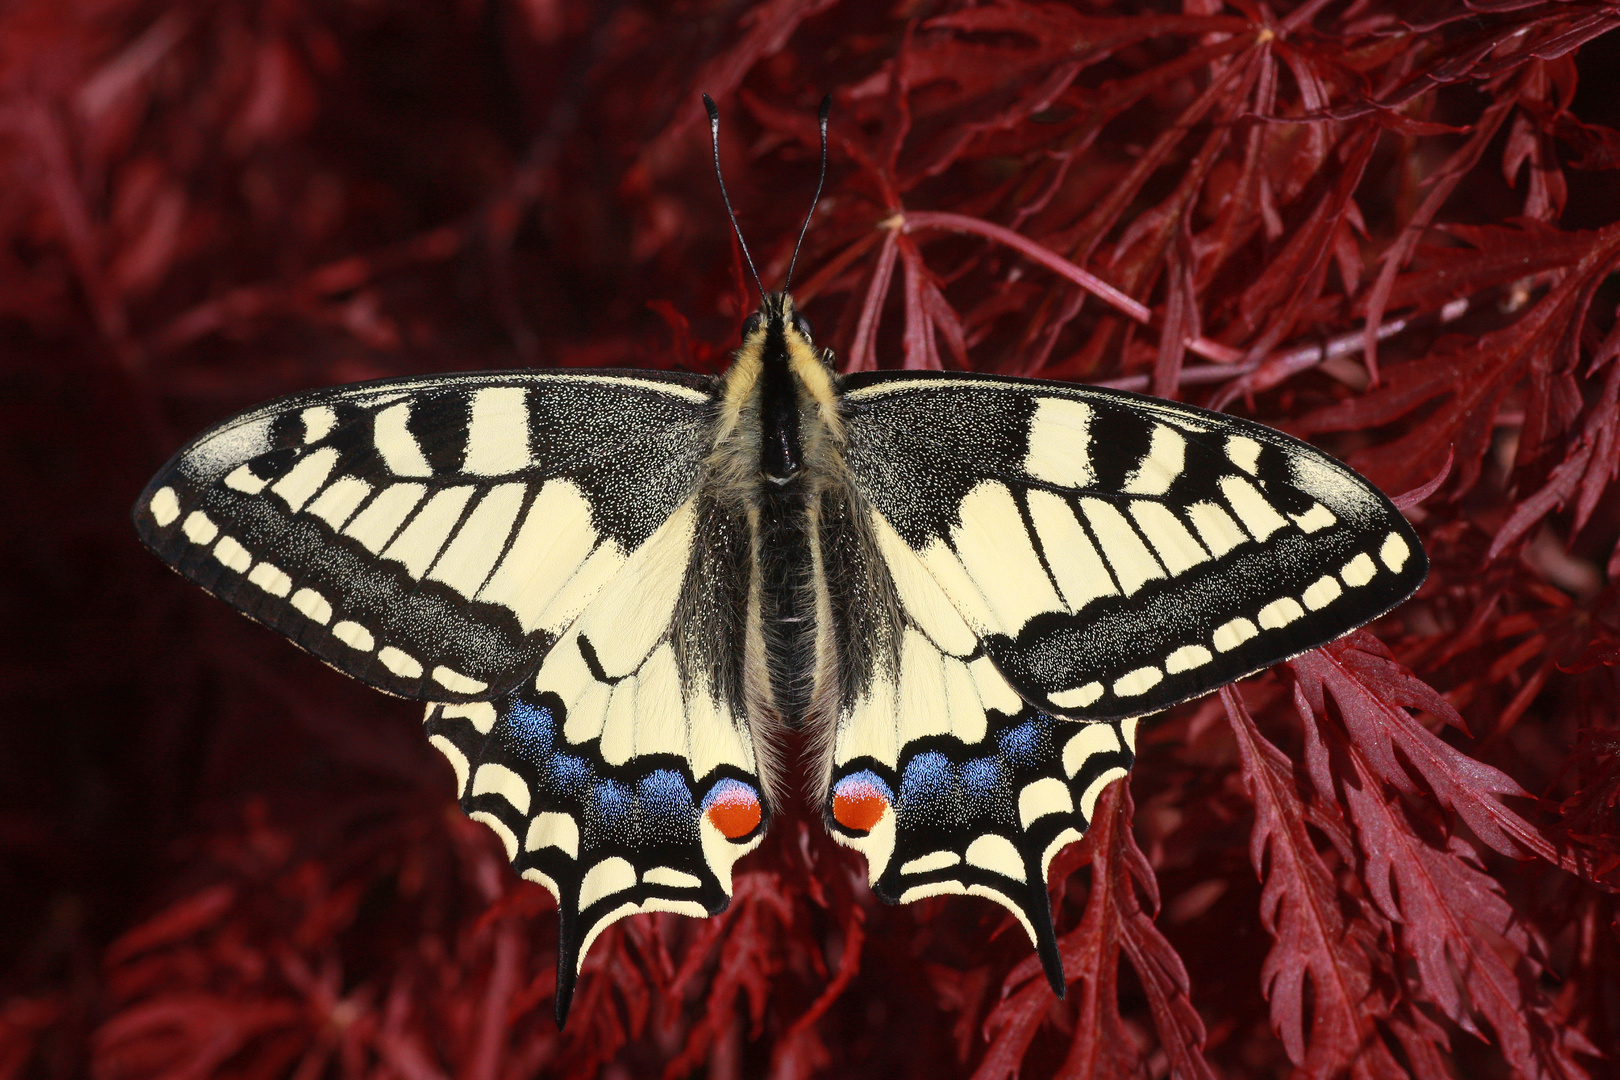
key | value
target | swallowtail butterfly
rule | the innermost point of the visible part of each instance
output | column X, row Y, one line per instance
column 618, row 591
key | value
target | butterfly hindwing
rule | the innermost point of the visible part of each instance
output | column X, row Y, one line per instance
column 1117, row 554
column 431, row 537
column 622, row 776
column 941, row 774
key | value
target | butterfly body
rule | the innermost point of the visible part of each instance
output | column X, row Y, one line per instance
column 626, row 596
column 775, row 458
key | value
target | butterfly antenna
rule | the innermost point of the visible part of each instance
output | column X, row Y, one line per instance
column 826, row 107
column 714, row 137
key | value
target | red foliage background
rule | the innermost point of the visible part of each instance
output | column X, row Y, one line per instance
column 1392, row 227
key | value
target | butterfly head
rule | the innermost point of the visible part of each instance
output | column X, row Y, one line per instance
column 777, row 373
column 777, row 319
column 781, row 340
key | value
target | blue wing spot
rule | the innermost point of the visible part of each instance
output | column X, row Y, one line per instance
column 566, row 773
column 981, row 777
column 1021, row 745
column 532, row 728
column 667, row 812
column 985, row 787
column 927, row 777
column 611, row 803
column 664, row 794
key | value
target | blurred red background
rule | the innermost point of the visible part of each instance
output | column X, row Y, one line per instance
column 222, row 859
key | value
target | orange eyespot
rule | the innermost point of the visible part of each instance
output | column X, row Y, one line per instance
column 859, row 801
column 733, row 808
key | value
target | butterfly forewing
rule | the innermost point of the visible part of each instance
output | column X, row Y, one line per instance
column 1117, row 554
column 431, row 537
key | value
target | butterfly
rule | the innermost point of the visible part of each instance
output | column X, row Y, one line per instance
column 623, row 594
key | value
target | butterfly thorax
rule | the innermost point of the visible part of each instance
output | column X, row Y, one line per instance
column 778, row 402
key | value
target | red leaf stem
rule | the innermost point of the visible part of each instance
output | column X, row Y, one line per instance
column 914, row 220
column 1102, row 1044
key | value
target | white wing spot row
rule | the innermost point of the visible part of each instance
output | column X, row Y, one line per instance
column 460, row 567
column 1236, row 632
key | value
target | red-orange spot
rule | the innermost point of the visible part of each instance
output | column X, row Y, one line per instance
column 735, row 813
column 858, row 806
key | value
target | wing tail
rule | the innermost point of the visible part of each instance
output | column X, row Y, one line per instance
column 982, row 817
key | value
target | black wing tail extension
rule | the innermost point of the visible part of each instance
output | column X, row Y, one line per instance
column 985, row 819
column 606, row 840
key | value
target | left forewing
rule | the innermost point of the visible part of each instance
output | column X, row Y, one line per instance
column 430, row 537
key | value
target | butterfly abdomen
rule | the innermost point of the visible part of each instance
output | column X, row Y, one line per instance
column 787, row 607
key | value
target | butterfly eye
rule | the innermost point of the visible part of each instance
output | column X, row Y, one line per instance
column 750, row 326
column 802, row 325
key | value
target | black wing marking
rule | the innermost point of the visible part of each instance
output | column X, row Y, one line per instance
column 623, row 775
column 1117, row 554
column 430, row 537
